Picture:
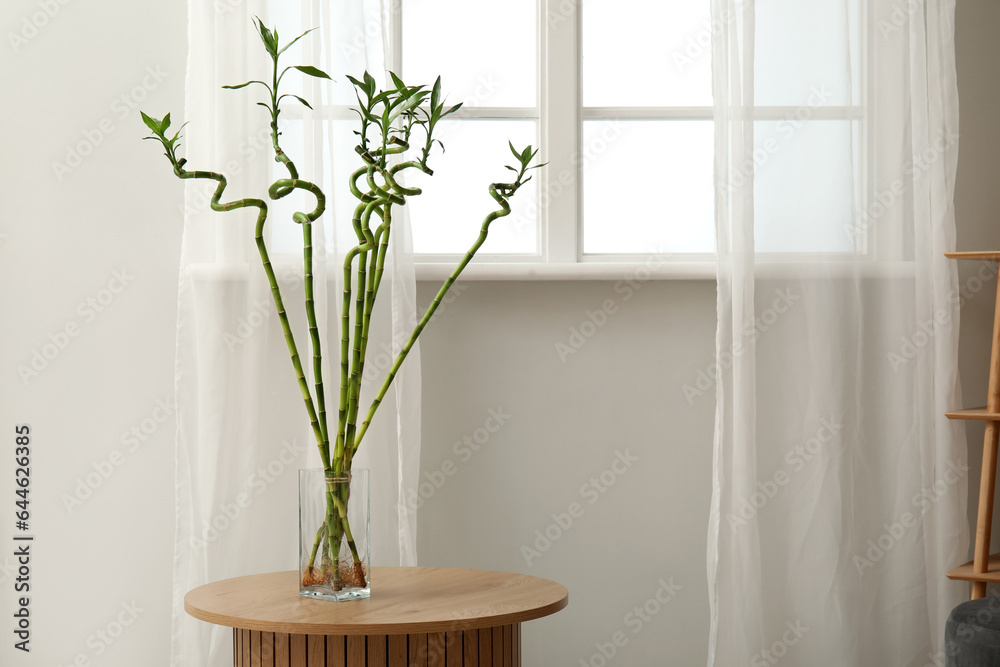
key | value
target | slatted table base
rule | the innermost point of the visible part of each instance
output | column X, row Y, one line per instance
column 487, row 647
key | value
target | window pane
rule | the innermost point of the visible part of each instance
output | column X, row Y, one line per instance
column 447, row 216
column 809, row 200
column 647, row 53
column 485, row 52
column 805, row 49
column 648, row 186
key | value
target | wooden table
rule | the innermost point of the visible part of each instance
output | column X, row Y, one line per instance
column 426, row 616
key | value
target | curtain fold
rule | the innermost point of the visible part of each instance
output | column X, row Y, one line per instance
column 243, row 430
column 839, row 487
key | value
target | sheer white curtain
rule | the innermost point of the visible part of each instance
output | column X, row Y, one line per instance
column 839, row 491
column 243, row 431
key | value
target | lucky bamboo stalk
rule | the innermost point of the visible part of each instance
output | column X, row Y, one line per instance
column 500, row 192
column 387, row 121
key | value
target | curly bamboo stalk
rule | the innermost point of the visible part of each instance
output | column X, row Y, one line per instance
column 278, row 190
column 272, row 279
column 344, row 430
column 386, row 197
column 354, row 379
column 375, row 269
column 495, row 192
column 365, row 198
column 364, row 308
column 354, row 384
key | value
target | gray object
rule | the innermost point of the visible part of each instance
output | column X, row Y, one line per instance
column 972, row 634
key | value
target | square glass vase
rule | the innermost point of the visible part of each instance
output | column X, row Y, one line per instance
column 334, row 535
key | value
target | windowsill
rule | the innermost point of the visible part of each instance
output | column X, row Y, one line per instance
column 673, row 270
column 570, row 271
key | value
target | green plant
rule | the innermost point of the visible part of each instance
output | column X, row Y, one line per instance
column 388, row 121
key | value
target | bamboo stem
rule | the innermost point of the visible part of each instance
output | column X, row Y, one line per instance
column 279, row 189
column 334, row 534
column 268, row 270
column 501, row 199
column 320, row 534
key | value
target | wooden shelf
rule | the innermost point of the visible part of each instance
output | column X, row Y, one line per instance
column 989, row 254
column 965, row 573
column 974, row 414
column 988, row 564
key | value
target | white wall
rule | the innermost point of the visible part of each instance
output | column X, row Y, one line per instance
column 566, row 423
column 63, row 240
column 494, row 348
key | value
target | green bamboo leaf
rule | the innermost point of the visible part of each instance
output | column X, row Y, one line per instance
column 408, row 93
column 394, row 100
column 302, row 100
column 370, row 82
column 441, row 113
column 266, row 36
column 436, row 92
column 408, row 105
column 397, row 81
column 364, row 111
column 294, row 40
column 514, row 151
column 358, row 85
column 244, row 85
column 151, row 123
column 312, row 71
column 420, row 95
column 369, row 115
column 164, row 124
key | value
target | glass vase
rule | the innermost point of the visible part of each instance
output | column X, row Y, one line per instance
column 334, row 534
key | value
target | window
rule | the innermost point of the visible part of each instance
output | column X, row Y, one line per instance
column 625, row 98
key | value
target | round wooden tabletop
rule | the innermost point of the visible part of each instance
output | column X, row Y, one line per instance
column 405, row 600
